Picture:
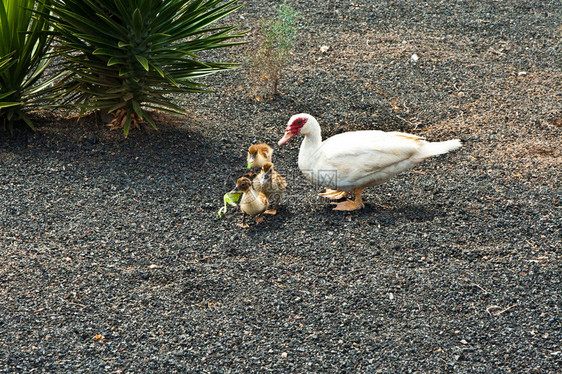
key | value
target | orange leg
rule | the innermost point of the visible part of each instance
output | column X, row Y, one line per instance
column 274, row 200
column 349, row 205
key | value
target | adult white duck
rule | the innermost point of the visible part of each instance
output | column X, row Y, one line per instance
column 354, row 160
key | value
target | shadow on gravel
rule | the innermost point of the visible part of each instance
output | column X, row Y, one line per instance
column 391, row 216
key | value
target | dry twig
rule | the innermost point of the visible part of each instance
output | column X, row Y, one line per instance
column 501, row 311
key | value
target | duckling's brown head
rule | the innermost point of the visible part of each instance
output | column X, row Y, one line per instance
column 264, row 150
column 267, row 167
column 253, row 150
column 243, row 184
column 257, row 154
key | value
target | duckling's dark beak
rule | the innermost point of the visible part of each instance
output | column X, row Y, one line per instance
column 235, row 190
column 264, row 179
column 251, row 160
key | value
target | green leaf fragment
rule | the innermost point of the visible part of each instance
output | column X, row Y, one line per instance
column 230, row 198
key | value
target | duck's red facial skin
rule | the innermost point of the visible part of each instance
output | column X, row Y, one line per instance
column 294, row 128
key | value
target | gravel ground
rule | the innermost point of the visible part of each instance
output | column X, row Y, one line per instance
column 113, row 258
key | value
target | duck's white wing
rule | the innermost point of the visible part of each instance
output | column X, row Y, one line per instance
column 368, row 157
column 371, row 150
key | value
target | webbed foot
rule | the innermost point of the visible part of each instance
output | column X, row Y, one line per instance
column 333, row 194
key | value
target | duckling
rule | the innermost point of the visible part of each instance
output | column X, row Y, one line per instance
column 272, row 184
column 252, row 202
column 258, row 154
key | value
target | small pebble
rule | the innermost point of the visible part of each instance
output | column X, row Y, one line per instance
column 92, row 139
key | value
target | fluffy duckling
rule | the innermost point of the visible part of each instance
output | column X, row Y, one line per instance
column 258, row 154
column 272, row 184
column 252, row 202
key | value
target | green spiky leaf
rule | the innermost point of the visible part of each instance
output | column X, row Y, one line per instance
column 143, row 61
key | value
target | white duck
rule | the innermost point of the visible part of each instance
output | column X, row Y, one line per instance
column 354, row 160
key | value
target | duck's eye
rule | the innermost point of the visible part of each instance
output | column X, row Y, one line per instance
column 297, row 125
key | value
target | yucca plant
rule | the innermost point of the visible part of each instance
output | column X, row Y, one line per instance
column 130, row 56
column 23, row 47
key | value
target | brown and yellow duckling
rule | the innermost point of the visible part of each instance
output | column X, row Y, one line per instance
column 258, row 154
column 253, row 203
column 272, row 184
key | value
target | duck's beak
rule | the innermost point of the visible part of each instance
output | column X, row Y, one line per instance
column 235, row 190
column 264, row 179
column 286, row 138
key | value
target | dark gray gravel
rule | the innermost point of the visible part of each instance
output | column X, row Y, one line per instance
column 112, row 257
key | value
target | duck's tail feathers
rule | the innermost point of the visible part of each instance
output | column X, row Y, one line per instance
column 438, row 148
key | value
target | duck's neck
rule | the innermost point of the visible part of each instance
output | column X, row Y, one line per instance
column 309, row 148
